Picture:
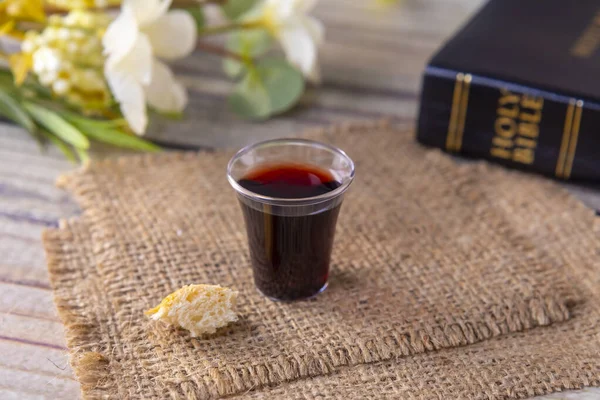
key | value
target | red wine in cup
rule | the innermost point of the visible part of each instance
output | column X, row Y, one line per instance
column 290, row 254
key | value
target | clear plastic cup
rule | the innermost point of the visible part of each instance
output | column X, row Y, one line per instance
column 290, row 238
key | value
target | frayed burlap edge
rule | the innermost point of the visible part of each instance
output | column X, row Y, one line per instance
column 90, row 366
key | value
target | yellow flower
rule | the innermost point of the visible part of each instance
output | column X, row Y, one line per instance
column 66, row 57
column 7, row 27
column 13, row 11
column 22, row 10
column 20, row 65
column 97, row 21
column 82, row 4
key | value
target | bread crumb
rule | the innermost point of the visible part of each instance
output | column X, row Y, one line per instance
column 200, row 309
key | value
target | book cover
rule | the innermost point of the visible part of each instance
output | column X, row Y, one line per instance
column 519, row 84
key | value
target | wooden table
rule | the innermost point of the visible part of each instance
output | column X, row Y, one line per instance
column 372, row 63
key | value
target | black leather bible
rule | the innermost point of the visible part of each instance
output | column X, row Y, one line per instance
column 519, row 84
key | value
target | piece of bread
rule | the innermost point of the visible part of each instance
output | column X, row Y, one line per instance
column 198, row 308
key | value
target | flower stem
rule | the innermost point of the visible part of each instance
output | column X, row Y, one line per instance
column 223, row 52
column 203, row 2
column 215, row 30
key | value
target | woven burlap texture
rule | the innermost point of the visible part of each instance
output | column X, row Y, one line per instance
column 429, row 255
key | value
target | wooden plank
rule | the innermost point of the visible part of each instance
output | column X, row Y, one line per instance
column 27, row 301
column 44, row 361
column 31, row 331
column 372, row 63
column 37, row 385
column 24, row 275
column 8, row 394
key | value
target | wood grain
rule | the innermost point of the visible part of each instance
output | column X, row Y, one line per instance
column 372, row 62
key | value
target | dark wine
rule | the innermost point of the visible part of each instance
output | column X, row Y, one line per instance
column 290, row 254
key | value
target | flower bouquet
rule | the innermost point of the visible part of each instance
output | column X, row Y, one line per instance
column 78, row 71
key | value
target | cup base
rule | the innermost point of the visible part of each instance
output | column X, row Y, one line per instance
column 286, row 300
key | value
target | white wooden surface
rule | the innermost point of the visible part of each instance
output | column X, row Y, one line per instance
column 372, row 64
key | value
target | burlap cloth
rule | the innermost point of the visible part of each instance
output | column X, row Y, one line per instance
column 429, row 256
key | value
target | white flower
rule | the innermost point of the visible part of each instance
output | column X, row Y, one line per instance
column 299, row 34
column 143, row 31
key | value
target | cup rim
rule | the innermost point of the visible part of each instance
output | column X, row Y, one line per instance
column 290, row 201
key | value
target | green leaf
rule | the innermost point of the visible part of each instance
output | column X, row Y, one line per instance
column 7, row 81
column 232, row 67
column 198, row 14
column 82, row 155
column 77, row 119
column 121, row 139
column 270, row 88
column 41, row 141
column 250, row 99
column 249, row 44
column 62, row 146
column 57, row 125
column 283, row 82
column 40, row 92
column 172, row 115
column 234, row 9
column 6, row 72
column 100, row 131
column 11, row 109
